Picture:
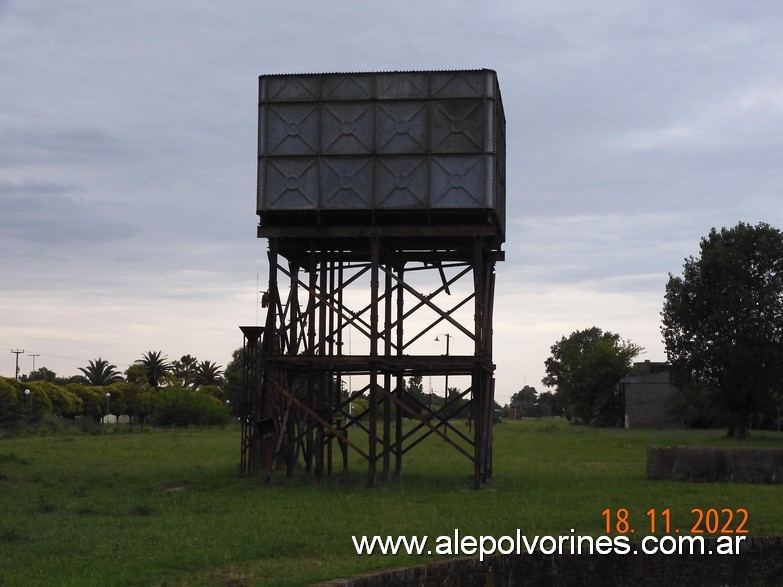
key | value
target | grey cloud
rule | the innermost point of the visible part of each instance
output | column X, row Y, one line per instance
column 35, row 144
column 41, row 214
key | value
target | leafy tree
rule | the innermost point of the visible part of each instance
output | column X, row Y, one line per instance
column 213, row 390
column 524, row 403
column 585, row 368
column 93, row 402
column 723, row 321
column 184, row 371
column 37, row 404
column 548, row 405
column 63, row 402
column 11, row 409
column 233, row 381
column 100, row 372
column 41, row 374
column 155, row 365
column 529, row 403
column 138, row 394
column 175, row 406
column 116, row 403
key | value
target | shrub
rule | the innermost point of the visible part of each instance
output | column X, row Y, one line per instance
column 11, row 411
column 175, row 406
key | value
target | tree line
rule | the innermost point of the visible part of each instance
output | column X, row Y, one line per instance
column 722, row 327
column 182, row 392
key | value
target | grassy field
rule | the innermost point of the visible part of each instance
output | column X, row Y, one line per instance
column 169, row 507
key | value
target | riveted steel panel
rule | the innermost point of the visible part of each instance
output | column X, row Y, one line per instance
column 458, row 182
column 289, row 184
column 401, row 127
column 423, row 141
column 347, row 128
column 346, row 183
column 403, row 86
column 290, row 129
column 461, row 84
column 402, row 182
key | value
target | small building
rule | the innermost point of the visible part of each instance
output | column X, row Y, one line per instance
column 648, row 396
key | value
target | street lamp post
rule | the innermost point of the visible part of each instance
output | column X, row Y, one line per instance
column 108, row 398
column 27, row 399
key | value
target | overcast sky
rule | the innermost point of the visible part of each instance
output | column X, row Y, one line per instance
column 128, row 158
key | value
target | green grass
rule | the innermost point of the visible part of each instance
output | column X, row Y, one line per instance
column 169, row 507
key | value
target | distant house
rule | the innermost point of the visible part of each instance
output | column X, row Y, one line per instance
column 648, row 396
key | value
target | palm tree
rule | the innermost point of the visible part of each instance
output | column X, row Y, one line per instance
column 100, row 372
column 155, row 366
column 208, row 373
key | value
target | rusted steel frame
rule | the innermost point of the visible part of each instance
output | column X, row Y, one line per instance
column 398, row 441
column 426, row 301
column 299, row 437
column 322, row 389
column 269, row 341
column 477, row 379
column 285, row 314
column 362, row 364
column 300, row 344
column 484, row 427
column 488, row 317
column 442, row 288
column 352, row 318
column 446, row 421
column 245, row 409
column 387, row 351
column 426, row 435
column 373, row 436
column 356, row 420
column 364, row 310
column 297, row 318
column 327, row 426
column 490, row 426
column 489, row 309
column 442, row 317
column 490, row 383
column 282, row 432
column 442, row 274
column 425, row 422
column 250, row 396
column 335, row 342
column 481, row 376
column 312, row 306
column 461, row 258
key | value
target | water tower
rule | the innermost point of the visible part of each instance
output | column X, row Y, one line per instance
column 382, row 199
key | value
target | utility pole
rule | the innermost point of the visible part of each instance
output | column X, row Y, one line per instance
column 17, row 352
column 33, row 356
